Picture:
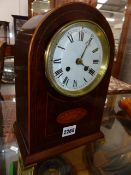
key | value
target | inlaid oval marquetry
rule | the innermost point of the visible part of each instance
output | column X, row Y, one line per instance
column 70, row 116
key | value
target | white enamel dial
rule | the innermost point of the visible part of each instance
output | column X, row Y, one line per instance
column 77, row 58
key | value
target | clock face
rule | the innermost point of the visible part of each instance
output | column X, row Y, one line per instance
column 77, row 58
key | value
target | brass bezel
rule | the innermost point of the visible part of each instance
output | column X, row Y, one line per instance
column 105, row 60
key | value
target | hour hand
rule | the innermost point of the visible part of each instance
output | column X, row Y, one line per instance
column 80, row 61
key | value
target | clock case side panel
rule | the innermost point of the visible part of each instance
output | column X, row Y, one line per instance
column 22, row 45
column 40, row 89
column 21, row 62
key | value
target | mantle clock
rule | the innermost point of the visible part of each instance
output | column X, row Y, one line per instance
column 63, row 64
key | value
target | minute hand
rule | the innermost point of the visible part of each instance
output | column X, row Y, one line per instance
column 88, row 43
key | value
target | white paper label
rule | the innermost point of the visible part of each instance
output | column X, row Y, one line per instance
column 70, row 130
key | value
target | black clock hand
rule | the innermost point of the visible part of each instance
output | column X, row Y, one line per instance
column 84, row 51
column 88, row 43
column 80, row 61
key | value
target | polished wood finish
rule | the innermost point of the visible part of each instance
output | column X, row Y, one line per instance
column 38, row 133
column 123, row 40
column 9, row 50
column 53, row 151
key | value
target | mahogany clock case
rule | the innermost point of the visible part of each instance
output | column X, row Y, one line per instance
column 38, row 132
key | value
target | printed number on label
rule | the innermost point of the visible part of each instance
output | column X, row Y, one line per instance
column 70, row 130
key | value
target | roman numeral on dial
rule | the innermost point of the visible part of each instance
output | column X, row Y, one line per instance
column 91, row 71
column 70, row 38
column 95, row 61
column 57, row 60
column 85, row 80
column 81, row 36
column 60, row 47
column 90, row 39
column 66, row 80
column 95, row 50
column 74, row 83
column 59, row 72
